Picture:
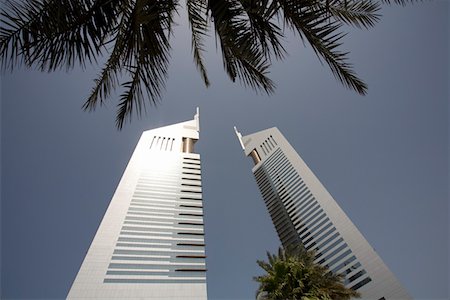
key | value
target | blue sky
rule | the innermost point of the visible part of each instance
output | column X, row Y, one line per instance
column 383, row 157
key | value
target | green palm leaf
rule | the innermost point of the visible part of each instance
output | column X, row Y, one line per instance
column 292, row 274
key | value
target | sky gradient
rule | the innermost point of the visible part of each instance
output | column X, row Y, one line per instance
column 383, row 157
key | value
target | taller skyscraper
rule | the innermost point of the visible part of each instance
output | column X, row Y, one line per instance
column 303, row 211
column 150, row 243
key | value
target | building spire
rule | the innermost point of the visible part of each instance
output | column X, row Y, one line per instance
column 239, row 135
column 197, row 118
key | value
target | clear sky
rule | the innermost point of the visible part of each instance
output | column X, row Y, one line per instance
column 383, row 157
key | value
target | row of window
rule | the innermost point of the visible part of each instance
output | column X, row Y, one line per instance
column 152, row 253
column 287, row 197
column 162, row 220
column 281, row 220
column 169, row 267
column 145, row 273
column 193, row 223
column 162, row 143
column 156, row 280
column 167, row 202
column 160, row 209
column 268, row 145
column 197, row 260
column 163, row 227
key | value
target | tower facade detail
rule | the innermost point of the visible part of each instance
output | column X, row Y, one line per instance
column 303, row 211
column 150, row 243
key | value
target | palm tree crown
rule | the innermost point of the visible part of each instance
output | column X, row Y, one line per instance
column 134, row 34
column 292, row 274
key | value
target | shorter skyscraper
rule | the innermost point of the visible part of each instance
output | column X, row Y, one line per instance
column 150, row 243
column 303, row 211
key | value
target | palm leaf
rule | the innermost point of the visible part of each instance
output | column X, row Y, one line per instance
column 358, row 13
column 145, row 55
column 55, row 34
column 197, row 15
column 324, row 36
column 261, row 17
column 242, row 58
column 292, row 274
column 400, row 2
column 108, row 79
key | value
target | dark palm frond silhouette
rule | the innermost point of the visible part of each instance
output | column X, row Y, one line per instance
column 134, row 36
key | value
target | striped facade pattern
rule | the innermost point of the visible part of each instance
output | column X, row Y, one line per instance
column 150, row 243
column 298, row 217
column 162, row 237
column 303, row 211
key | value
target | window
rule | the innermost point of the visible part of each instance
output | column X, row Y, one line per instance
column 361, row 283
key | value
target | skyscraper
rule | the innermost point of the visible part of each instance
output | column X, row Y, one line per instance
column 150, row 243
column 303, row 211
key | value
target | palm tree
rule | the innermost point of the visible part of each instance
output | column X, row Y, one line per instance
column 134, row 35
column 292, row 274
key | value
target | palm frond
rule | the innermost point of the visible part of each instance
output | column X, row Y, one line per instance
column 130, row 97
column 400, row 2
column 146, row 55
column 325, row 37
column 293, row 274
column 261, row 17
column 108, row 79
column 358, row 13
column 242, row 57
column 16, row 18
column 197, row 15
column 265, row 266
column 53, row 34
